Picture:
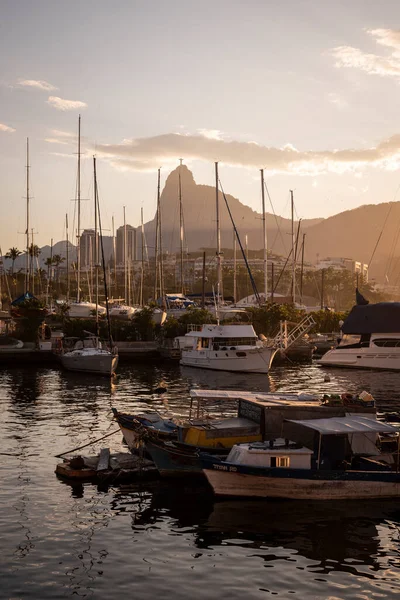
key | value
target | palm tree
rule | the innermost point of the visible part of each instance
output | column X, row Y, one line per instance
column 13, row 253
column 57, row 261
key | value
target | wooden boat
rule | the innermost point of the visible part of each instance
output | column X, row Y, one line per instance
column 335, row 469
column 175, row 451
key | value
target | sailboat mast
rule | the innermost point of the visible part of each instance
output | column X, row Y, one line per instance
column 78, row 293
column 234, row 269
column 125, row 262
column 181, row 225
column 142, row 270
column 96, row 247
column 27, row 215
column 219, row 270
column 160, row 244
column 265, row 254
column 156, row 241
column 67, row 249
column 293, row 251
column 115, row 258
column 302, row 268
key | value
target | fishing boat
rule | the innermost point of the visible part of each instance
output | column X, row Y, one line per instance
column 89, row 356
column 174, row 444
column 342, row 461
column 227, row 348
column 371, row 338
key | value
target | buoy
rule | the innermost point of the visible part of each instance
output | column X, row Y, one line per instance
column 327, row 378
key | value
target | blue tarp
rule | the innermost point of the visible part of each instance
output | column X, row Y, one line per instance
column 23, row 298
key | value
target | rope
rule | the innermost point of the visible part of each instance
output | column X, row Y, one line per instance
column 86, row 445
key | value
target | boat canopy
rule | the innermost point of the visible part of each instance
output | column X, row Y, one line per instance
column 224, row 331
column 383, row 317
column 346, row 425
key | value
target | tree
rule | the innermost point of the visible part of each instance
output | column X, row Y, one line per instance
column 13, row 254
column 57, row 262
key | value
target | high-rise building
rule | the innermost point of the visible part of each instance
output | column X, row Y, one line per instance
column 130, row 244
column 87, row 248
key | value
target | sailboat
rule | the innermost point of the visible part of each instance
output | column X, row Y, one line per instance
column 88, row 355
column 234, row 347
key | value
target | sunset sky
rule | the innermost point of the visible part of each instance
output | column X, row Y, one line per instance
column 307, row 89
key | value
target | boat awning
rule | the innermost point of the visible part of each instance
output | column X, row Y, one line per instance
column 343, row 425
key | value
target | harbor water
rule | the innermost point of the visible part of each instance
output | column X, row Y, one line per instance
column 172, row 540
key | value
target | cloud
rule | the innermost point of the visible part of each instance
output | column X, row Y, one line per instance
column 373, row 64
column 337, row 100
column 62, row 104
column 211, row 134
column 6, row 128
column 63, row 134
column 55, row 141
column 37, row 84
column 149, row 153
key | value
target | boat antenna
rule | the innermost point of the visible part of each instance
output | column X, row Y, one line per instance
column 102, row 257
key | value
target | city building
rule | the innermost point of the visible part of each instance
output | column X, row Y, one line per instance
column 347, row 264
column 131, row 244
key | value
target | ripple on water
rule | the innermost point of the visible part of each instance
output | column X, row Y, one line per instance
column 170, row 539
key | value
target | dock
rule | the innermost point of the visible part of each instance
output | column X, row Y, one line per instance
column 122, row 467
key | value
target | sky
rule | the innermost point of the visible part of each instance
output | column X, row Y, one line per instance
column 306, row 89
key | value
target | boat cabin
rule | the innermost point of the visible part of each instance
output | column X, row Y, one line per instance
column 223, row 337
column 280, row 453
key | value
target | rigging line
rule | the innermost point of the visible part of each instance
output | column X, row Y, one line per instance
column 279, row 231
column 253, row 283
column 283, row 270
column 384, row 225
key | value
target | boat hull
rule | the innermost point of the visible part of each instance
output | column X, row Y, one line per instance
column 238, row 361
column 363, row 358
column 105, row 364
column 228, row 479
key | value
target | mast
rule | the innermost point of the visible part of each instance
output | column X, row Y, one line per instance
column 181, row 225
column 96, row 247
column 219, row 271
column 160, row 244
column 115, row 258
column 302, row 268
column 142, row 269
column 27, row 215
column 234, row 269
column 156, row 238
column 78, row 293
column 66, row 229
column 293, row 251
column 125, row 263
column 32, row 264
column 265, row 254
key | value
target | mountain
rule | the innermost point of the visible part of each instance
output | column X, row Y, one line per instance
column 199, row 209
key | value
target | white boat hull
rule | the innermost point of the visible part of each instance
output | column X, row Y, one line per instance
column 240, row 360
column 243, row 485
column 103, row 364
column 363, row 358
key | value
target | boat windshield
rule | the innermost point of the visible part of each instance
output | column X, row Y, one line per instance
column 350, row 339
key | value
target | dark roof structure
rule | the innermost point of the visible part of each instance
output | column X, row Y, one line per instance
column 383, row 317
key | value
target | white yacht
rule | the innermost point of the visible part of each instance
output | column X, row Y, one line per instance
column 122, row 311
column 84, row 310
column 88, row 356
column 371, row 338
column 227, row 348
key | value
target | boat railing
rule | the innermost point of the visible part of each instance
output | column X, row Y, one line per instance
column 194, row 327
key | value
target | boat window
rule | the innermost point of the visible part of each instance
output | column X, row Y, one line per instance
column 280, row 461
column 228, row 342
column 350, row 339
column 387, row 342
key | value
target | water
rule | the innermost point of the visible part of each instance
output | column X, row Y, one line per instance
column 173, row 540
